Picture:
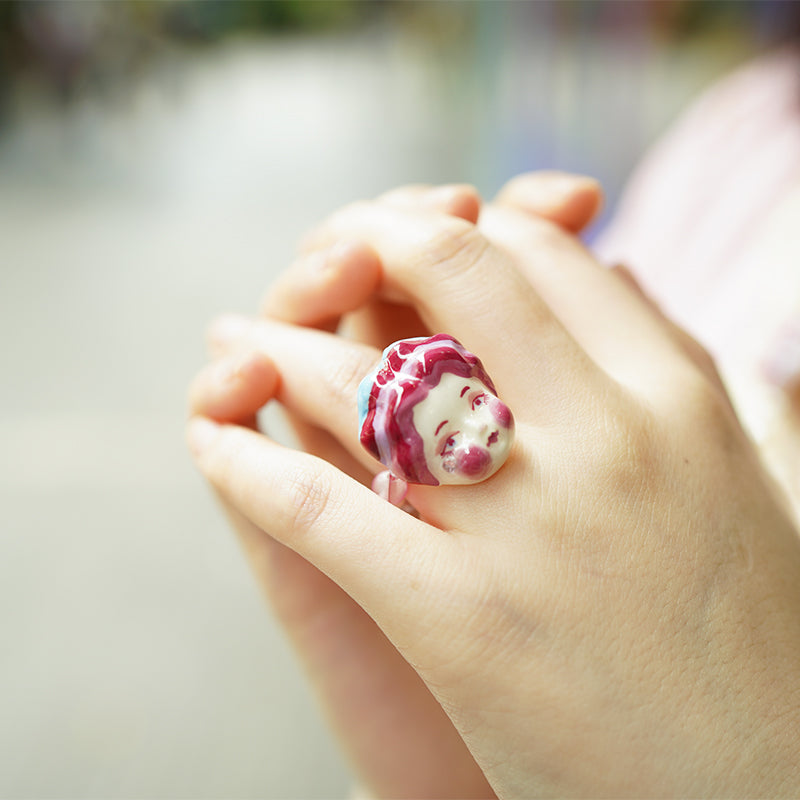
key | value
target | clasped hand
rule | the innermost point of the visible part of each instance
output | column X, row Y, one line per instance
column 615, row 612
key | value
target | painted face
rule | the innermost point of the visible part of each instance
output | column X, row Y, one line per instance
column 466, row 430
column 429, row 413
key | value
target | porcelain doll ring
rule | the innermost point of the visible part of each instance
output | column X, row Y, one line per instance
column 430, row 414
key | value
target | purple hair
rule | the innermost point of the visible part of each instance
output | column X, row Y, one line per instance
column 409, row 369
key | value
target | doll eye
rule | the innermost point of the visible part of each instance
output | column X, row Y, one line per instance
column 449, row 444
column 479, row 401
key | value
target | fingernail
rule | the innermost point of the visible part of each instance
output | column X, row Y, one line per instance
column 200, row 432
column 564, row 186
column 242, row 368
column 460, row 200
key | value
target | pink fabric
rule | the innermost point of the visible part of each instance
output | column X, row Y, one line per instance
column 693, row 223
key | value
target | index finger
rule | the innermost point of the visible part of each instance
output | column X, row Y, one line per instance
column 323, row 285
column 392, row 564
column 319, row 288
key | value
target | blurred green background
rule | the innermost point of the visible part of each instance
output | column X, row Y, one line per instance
column 158, row 161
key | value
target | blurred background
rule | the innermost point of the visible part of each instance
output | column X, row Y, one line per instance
column 158, row 162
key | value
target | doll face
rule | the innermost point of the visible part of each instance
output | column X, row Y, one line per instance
column 466, row 430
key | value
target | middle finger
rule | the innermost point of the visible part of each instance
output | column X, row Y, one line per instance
column 462, row 285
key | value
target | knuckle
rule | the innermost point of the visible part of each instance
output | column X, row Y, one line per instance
column 704, row 407
column 628, row 454
column 638, row 447
column 309, row 499
column 455, row 247
column 475, row 626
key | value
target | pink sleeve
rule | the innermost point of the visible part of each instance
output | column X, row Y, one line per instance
column 694, row 223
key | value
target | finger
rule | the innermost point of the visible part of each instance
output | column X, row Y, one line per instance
column 324, row 285
column 461, row 285
column 388, row 561
column 350, row 662
column 336, row 640
column 243, row 380
column 347, row 656
column 225, row 331
column 380, row 323
column 234, row 388
column 456, row 199
column 569, row 201
column 608, row 320
column 320, row 375
column 321, row 286
column 693, row 349
column 323, row 444
column 300, row 595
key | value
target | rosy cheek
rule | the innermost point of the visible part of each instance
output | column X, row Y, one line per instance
column 473, row 462
column 500, row 411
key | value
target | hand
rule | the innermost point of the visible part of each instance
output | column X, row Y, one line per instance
column 397, row 737
column 616, row 611
column 335, row 282
column 393, row 730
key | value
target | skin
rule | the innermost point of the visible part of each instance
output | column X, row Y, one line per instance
column 344, row 293
column 613, row 613
column 394, row 732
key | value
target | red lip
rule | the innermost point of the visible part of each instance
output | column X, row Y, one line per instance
column 493, row 437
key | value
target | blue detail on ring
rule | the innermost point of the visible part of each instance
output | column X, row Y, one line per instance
column 364, row 390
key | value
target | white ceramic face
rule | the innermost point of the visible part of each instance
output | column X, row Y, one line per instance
column 466, row 430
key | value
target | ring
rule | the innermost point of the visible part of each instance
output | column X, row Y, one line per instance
column 430, row 413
